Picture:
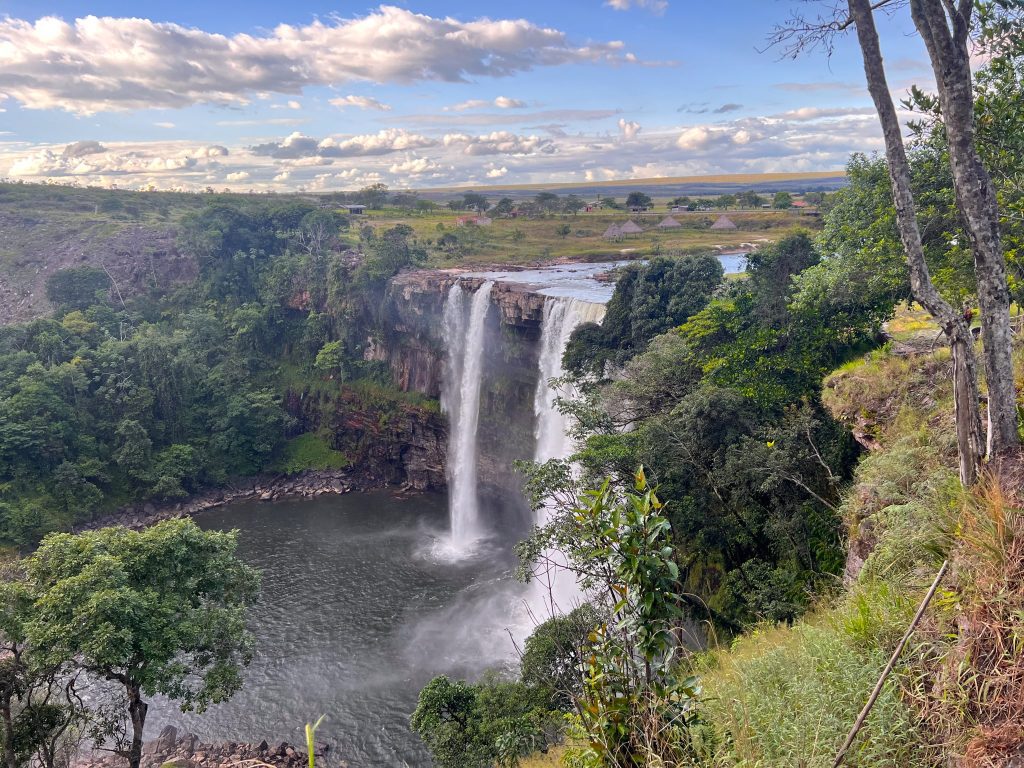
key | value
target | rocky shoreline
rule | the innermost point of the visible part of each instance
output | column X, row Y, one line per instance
column 304, row 485
column 185, row 750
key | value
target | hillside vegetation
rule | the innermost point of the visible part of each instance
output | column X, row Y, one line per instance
column 136, row 237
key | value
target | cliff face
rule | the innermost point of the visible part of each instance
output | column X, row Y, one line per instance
column 388, row 441
column 410, row 341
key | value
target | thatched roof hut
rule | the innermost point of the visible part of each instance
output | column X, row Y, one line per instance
column 723, row 222
column 630, row 228
column 612, row 233
column 669, row 223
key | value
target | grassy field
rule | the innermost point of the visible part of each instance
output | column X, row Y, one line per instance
column 529, row 241
column 744, row 179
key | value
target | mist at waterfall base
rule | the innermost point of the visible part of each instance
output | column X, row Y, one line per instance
column 347, row 624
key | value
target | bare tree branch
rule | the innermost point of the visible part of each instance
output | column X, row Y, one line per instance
column 803, row 33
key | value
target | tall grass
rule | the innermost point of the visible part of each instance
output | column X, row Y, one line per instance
column 786, row 696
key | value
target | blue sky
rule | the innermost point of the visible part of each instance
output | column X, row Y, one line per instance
column 317, row 95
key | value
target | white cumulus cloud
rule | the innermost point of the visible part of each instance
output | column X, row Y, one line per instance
column 362, row 102
column 628, row 128
column 501, row 102
column 657, row 7
column 499, row 143
column 95, row 64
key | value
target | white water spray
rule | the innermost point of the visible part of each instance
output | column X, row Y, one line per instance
column 555, row 590
column 561, row 317
column 464, row 340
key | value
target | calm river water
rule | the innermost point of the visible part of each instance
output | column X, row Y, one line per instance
column 356, row 614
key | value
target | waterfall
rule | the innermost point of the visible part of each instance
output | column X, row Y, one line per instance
column 464, row 340
column 555, row 591
column 561, row 317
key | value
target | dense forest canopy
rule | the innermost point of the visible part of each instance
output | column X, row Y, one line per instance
column 111, row 401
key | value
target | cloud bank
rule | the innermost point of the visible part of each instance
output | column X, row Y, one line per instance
column 97, row 64
column 808, row 139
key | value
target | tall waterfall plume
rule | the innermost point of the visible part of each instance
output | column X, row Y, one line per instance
column 554, row 590
column 561, row 317
column 463, row 331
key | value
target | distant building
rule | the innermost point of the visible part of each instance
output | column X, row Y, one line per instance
column 723, row 222
column 630, row 228
column 356, row 209
column 669, row 223
column 612, row 233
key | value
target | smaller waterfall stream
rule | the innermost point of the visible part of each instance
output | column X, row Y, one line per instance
column 554, row 591
column 561, row 317
column 464, row 339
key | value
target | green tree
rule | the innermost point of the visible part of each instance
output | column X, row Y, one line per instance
column 554, row 652
column 749, row 199
column 648, row 300
column 632, row 709
column 330, row 360
column 374, row 196
column 447, row 718
column 77, row 288
column 782, row 201
column 40, row 701
column 390, row 253
column 318, row 231
column 547, row 202
column 159, row 611
column 503, row 207
column 407, row 201
column 638, row 200
column 573, row 204
column 474, row 201
column 467, row 725
column 174, row 470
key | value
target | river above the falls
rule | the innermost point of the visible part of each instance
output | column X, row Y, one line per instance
column 355, row 616
column 583, row 281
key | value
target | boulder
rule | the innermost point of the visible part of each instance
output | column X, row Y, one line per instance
column 166, row 740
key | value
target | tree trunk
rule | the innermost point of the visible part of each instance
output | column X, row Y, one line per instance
column 967, row 410
column 946, row 37
column 10, row 758
column 137, row 709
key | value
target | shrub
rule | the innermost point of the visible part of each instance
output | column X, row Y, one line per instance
column 309, row 451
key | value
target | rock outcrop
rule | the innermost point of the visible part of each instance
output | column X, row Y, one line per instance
column 186, row 750
column 304, row 485
column 409, row 339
